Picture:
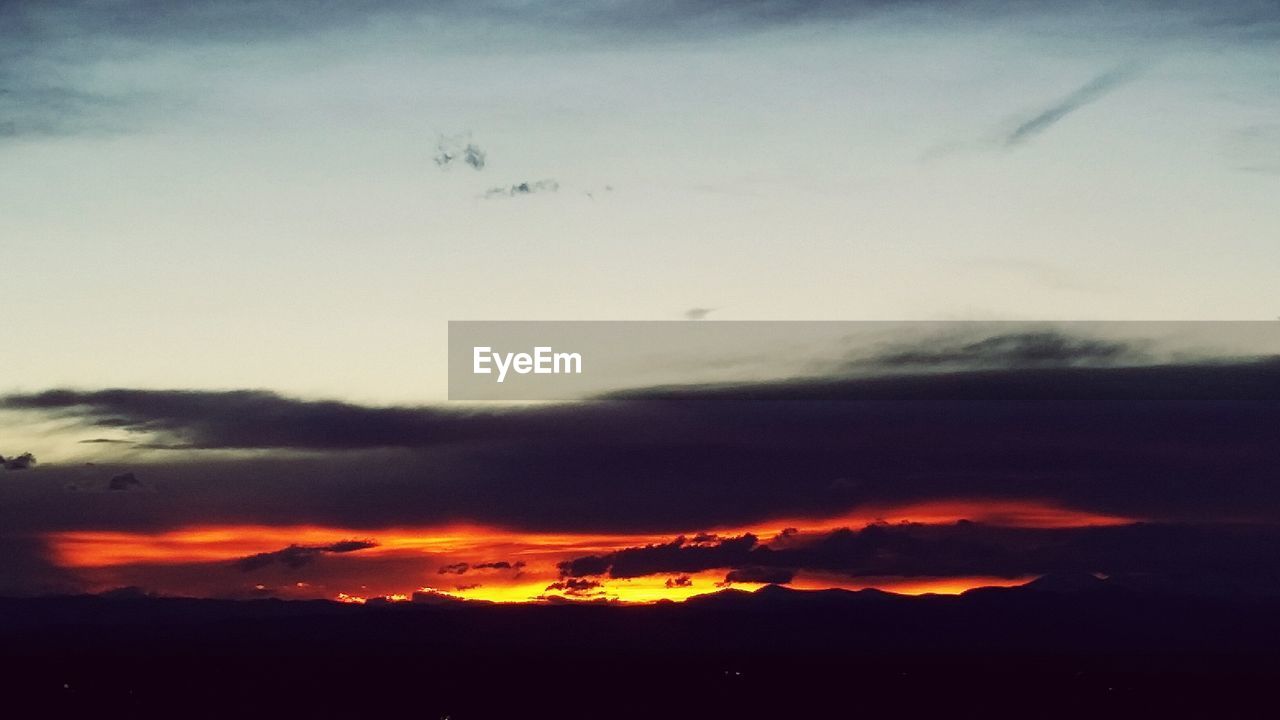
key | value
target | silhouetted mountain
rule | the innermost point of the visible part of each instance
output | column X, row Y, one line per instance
column 1064, row 644
column 782, row 597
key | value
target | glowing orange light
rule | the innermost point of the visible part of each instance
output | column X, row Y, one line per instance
column 530, row 571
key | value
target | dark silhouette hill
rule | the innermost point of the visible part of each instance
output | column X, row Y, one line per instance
column 1060, row 647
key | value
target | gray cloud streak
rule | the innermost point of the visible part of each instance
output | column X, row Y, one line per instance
column 523, row 188
column 1089, row 93
column 1011, row 350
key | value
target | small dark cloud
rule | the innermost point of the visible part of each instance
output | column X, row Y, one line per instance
column 18, row 462
column 524, row 188
column 1088, row 93
column 576, row 586
column 459, row 148
column 296, row 556
column 463, row 568
column 679, row 581
column 499, row 565
column 124, row 481
column 106, row 441
column 698, row 313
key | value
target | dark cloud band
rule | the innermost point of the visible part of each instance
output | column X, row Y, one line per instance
column 1193, row 557
column 1166, row 442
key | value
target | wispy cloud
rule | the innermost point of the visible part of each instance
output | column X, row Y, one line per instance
column 1013, row 350
column 1088, row 93
column 523, row 188
column 1254, row 149
column 459, row 148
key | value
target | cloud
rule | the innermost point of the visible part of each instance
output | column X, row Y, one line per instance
column 1190, row 449
column 524, row 188
column 89, row 479
column 459, row 148
column 296, row 556
column 576, row 586
column 1245, row 557
column 65, row 65
column 698, row 313
column 124, row 481
column 274, row 20
column 33, row 107
column 18, row 462
column 1013, row 350
column 683, row 459
column 679, row 581
column 463, row 568
column 1088, row 93
column 249, row 419
column 679, row 555
column 1254, row 149
column 499, row 565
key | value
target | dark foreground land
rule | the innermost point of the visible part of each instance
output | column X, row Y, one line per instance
column 1023, row 652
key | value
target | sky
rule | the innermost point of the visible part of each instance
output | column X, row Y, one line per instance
column 247, row 196
column 233, row 238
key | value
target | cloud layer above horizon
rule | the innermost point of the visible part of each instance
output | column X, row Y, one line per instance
column 1004, row 472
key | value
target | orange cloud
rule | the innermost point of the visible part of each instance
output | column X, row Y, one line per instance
column 528, row 568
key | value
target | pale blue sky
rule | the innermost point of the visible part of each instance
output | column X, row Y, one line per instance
column 182, row 208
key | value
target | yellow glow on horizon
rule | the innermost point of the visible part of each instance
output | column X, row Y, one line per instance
column 530, row 569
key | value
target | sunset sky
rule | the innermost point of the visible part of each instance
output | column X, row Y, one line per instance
column 233, row 237
column 1042, row 454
